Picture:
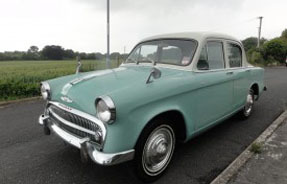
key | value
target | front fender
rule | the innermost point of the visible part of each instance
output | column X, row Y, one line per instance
column 124, row 133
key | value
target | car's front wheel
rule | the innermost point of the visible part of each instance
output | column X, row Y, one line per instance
column 154, row 150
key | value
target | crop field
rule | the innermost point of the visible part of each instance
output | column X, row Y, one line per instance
column 20, row 79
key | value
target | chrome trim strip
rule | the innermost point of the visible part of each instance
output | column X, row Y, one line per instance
column 71, row 124
column 84, row 115
column 222, row 69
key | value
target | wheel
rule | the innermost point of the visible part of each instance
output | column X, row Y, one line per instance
column 154, row 150
column 248, row 107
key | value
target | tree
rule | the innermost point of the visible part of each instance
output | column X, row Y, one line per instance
column 251, row 42
column 32, row 53
column 53, row 52
column 115, row 55
column 91, row 56
column 69, row 54
column 83, row 55
column 33, row 49
column 284, row 34
column 99, row 56
column 275, row 48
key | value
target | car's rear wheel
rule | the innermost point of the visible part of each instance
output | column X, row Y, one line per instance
column 249, row 105
column 154, row 150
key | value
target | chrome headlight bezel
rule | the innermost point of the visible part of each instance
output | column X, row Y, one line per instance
column 45, row 90
column 105, row 107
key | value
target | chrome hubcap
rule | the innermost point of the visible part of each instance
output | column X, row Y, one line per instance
column 249, row 104
column 158, row 150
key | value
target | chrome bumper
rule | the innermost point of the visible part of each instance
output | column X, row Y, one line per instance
column 87, row 147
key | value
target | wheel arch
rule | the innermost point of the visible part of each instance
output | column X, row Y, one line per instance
column 177, row 120
column 255, row 88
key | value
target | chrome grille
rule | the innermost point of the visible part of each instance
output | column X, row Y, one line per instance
column 74, row 119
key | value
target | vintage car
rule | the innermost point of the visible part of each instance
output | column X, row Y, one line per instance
column 171, row 88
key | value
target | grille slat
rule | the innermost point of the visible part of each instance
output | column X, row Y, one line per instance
column 75, row 119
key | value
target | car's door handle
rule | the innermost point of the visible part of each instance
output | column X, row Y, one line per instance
column 248, row 70
column 229, row 73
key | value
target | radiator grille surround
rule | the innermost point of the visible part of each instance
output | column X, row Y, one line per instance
column 77, row 125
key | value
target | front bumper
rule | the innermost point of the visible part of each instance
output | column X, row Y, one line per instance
column 86, row 146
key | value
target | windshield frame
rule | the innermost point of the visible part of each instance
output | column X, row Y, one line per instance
column 159, row 39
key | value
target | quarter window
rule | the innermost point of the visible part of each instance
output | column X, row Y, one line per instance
column 234, row 55
column 211, row 57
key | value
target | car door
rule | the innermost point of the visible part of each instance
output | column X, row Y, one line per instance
column 215, row 91
column 234, row 58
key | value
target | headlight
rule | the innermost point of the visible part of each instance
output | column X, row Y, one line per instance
column 45, row 90
column 106, row 110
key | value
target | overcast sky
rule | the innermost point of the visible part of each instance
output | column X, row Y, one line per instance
column 81, row 24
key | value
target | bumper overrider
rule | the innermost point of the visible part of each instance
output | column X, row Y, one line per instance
column 82, row 131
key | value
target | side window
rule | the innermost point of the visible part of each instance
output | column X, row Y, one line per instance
column 211, row 56
column 234, row 55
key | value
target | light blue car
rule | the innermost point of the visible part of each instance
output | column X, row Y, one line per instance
column 171, row 88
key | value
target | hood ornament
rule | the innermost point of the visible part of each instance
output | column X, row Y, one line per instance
column 79, row 64
column 66, row 99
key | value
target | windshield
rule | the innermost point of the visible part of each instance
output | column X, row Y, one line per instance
column 174, row 52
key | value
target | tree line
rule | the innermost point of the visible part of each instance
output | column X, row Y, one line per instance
column 270, row 52
column 54, row 52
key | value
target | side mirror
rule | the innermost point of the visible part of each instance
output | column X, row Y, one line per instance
column 155, row 74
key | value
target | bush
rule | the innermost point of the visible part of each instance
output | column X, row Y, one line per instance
column 254, row 56
column 275, row 49
column 256, row 147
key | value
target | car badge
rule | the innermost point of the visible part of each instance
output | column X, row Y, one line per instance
column 66, row 99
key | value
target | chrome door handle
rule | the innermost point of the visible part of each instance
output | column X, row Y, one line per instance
column 229, row 73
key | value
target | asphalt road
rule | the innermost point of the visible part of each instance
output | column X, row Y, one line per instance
column 28, row 156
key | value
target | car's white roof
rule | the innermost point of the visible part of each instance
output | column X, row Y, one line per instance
column 199, row 36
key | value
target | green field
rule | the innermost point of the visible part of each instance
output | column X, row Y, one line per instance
column 21, row 79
